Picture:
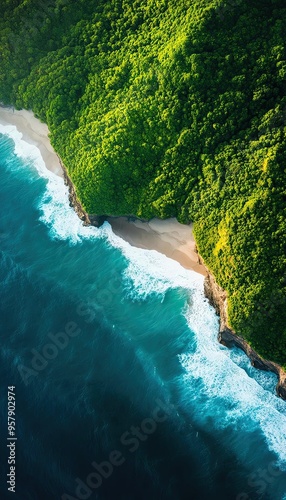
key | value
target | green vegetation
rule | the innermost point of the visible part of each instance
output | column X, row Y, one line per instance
column 168, row 109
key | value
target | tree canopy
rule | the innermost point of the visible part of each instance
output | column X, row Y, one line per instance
column 168, row 109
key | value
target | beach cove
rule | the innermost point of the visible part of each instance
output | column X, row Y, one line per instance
column 168, row 237
column 96, row 334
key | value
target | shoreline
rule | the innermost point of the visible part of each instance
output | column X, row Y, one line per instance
column 229, row 338
column 34, row 132
column 168, row 237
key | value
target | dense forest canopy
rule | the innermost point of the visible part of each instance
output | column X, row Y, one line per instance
column 170, row 108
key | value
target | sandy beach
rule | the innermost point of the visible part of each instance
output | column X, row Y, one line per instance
column 34, row 132
column 168, row 237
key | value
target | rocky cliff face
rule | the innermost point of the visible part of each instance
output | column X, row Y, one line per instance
column 216, row 295
column 218, row 298
column 74, row 202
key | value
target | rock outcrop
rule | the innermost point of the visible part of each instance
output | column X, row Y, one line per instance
column 216, row 295
column 218, row 299
column 74, row 201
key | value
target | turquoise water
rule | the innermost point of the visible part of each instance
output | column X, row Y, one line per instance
column 118, row 373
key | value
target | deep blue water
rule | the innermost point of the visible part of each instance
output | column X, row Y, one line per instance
column 122, row 391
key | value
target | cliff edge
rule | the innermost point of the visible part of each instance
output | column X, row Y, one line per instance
column 226, row 336
column 216, row 295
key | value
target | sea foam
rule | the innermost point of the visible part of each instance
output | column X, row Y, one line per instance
column 149, row 271
column 56, row 212
column 23, row 149
column 232, row 392
column 222, row 374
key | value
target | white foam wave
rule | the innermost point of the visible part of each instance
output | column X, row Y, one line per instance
column 149, row 271
column 221, row 370
column 60, row 217
column 22, row 148
column 54, row 205
column 228, row 394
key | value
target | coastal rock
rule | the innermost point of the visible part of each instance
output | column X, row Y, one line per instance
column 227, row 337
column 216, row 295
column 96, row 220
column 74, row 202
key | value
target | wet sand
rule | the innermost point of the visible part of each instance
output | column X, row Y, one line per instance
column 168, row 237
column 34, row 132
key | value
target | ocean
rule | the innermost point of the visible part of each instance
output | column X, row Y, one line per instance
column 109, row 353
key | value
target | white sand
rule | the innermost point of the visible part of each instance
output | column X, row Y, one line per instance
column 168, row 237
column 34, row 132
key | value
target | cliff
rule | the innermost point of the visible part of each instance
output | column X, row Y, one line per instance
column 75, row 203
column 218, row 298
column 215, row 294
column 192, row 129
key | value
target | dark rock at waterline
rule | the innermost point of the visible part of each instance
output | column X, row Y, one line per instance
column 96, row 220
column 74, row 202
column 216, row 295
column 101, row 219
column 218, row 299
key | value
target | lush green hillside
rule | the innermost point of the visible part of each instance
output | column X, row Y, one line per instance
column 162, row 109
